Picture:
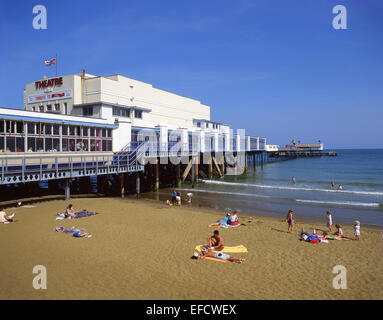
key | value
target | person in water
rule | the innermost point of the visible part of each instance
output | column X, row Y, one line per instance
column 332, row 185
column 221, row 223
column 219, row 255
column 215, row 241
column 340, row 187
column 293, row 180
column 290, row 221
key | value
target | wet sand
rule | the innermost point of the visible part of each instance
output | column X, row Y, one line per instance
column 141, row 249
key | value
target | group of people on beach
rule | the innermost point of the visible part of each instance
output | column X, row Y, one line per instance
column 176, row 198
column 228, row 220
column 338, row 234
column 4, row 218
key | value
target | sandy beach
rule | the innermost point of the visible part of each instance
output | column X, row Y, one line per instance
column 141, row 249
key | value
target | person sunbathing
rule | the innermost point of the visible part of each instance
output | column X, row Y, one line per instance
column 219, row 255
column 215, row 241
column 221, row 223
column 4, row 218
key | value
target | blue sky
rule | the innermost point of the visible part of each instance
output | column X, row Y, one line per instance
column 274, row 67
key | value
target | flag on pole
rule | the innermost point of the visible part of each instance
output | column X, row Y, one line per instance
column 50, row 62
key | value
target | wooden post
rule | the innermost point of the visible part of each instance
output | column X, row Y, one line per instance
column 178, row 175
column 138, row 184
column 196, row 168
column 245, row 162
column 122, row 185
column 67, row 189
column 254, row 160
column 157, row 183
column 192, row 172
column 223, row 165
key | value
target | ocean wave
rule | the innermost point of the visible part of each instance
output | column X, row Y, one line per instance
column 369, row 193
column 231, row 193
column 348, row 203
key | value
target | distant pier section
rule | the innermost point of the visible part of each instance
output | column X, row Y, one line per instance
column 298, row 151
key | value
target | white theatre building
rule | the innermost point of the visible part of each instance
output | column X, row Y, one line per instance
column 83, row 112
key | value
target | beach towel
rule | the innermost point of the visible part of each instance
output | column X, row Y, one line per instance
column 84, row 213
column 235, row 249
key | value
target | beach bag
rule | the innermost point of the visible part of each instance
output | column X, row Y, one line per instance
column 314, row 241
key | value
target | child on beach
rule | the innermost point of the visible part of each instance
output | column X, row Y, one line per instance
column 178, row 198
column 290, row 221
column 339, row 231
column 357, row 230
column 189, row 197
column 329, row 220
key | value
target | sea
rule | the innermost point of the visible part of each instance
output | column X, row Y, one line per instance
column 269, row 189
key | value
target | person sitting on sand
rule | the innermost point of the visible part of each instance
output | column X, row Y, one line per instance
column 219, row 255
column 215, row 241
column 178, row 198
column 234, row 219
column 290, row 221
column 339, row 231
column 357, row 230
column 69, row 212
column 4, row 218
column 221, row 223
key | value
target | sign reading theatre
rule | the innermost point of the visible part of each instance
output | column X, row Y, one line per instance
column 49, row 83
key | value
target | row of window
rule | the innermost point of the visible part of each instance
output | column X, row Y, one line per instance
column 37, row 128
column 123, row 112
column 17, row 144
column 56, row 107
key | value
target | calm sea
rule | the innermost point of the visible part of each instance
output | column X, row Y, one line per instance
column 269, row 190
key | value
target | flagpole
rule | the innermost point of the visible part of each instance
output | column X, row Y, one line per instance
column 56, row 65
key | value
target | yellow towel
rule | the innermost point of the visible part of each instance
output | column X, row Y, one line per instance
column 236, row 249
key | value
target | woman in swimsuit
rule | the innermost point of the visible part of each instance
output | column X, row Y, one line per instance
column 290, row 221
column 69, row 212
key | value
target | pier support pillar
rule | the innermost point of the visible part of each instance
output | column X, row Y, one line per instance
column 245, row 163
column 157, row 176
column 223, row 165
column 210, row 167
column 178, row 175
column 67, row 189
column 193, row 172
column 254, row 160
column 138, row 185
column 196, row 169
column 122, row 185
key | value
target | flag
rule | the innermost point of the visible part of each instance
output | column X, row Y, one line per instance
column 50, row 62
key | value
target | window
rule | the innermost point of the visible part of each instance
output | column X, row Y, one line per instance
column 199, row 124
column 138, row 114
column 57, row 107
column 49, row 107
column 48, row 129
column 87, row 111
column 1, row 126
column 41, row 108
column 121, row 112
column 65, row 130
column 33, row 108
column 31, row 128
column 56, row 129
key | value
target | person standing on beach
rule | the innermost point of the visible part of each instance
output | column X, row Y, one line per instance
column 174, row 197
column 290, row 221
column 329, row 220
column 357, row 230
column 215, row 241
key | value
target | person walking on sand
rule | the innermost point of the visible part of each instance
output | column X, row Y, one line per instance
column 215, row 241
column 4, row 218
column 329, row 220
column 357, row 229
column 220, row 255
column 290, row 221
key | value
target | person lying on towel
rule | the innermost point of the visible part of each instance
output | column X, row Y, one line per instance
column 219, row 255
column 215, row 241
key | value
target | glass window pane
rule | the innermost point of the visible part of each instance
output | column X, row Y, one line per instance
column 1, row 126
column 31, row 127
column 65, row 144
column 39, row 144
column 56, row 129
column 31, row 144
column 11, row 144
column 103, row 145
column 48, row 144
column 65, row 130
column 48, row 129
column 20, row 144
column 56, row 145
column 1, row 143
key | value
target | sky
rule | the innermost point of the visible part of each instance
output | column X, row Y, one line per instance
column 276, row 68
